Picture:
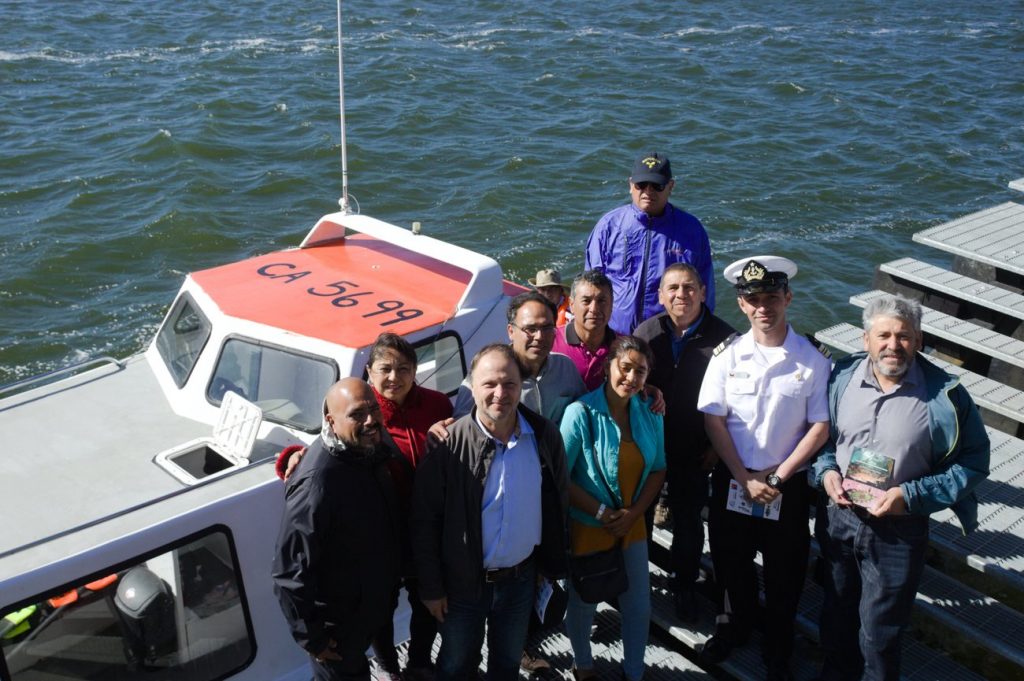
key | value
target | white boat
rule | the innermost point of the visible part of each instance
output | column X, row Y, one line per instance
column 150, row 469
column 141, row 506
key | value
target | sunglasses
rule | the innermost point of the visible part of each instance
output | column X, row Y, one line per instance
column 643, row 186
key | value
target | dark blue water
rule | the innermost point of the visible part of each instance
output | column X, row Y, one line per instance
column 141, row 140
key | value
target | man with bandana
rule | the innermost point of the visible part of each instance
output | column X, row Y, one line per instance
column 338, row 558
column 766, row 414
column 906, row 441
column 634, row 243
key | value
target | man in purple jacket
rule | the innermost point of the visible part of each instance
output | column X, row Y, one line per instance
column 633, row 244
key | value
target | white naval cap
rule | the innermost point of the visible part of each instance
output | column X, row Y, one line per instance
column 760, row 273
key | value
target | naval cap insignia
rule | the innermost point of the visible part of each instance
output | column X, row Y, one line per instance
column 754, row 271
column 650, row 162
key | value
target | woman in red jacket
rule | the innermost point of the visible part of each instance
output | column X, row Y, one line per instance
column 408, row 411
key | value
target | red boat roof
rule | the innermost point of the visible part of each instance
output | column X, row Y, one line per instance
column 346, row 292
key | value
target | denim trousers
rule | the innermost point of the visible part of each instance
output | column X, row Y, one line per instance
column 874, row 568
column 504, row 607
column 634, row 606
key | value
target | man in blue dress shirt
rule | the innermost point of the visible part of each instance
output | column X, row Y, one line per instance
column 489, row 514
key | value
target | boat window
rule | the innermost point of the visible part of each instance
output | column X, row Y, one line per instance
column 441, row 363
column 176, row 615
column 288, row 386
column 182, row 338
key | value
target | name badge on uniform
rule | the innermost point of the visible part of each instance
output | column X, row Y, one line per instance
column 740, row 502
column 740, row 383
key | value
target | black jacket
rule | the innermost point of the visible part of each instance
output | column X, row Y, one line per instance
column 685, row 437
column 447, row 539
column 338, row 558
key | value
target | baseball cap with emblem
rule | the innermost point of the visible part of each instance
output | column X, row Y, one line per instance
column 760, row 274
column 652, row 167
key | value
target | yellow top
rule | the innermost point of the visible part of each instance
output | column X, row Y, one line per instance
column 587, row 538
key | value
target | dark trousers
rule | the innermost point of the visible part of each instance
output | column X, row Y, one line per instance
column 422, row 630
column 784, row 546
column 687, row 496
column 874, row 566
column 504, row 608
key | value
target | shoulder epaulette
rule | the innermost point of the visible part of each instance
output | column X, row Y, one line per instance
column 821, row 347
column 724, row 344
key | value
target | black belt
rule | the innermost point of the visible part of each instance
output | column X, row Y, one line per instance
column 502, row 574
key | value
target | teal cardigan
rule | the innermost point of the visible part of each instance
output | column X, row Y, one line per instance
column 581, row 444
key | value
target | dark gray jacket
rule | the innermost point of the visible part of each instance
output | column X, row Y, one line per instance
column 447, row 539
column 339, row 554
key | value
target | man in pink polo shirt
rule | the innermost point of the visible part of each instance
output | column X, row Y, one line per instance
column 585, row 340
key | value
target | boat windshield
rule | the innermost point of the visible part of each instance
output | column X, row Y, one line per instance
column 182, row 338
column 287, row 385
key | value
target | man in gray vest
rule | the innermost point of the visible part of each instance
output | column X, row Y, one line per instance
column 906, row 441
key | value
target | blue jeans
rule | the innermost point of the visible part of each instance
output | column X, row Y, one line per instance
column 635, row 607
column 874, row 568
column 505, row 608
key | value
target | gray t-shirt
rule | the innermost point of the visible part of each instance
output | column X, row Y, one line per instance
column 555, row 387
column 877, row 426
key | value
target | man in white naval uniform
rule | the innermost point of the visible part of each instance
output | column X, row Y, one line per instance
column 766, row 413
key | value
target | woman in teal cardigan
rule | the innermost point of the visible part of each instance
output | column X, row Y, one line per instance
column 611, row 436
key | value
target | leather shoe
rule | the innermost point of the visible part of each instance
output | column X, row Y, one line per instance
column 719, row 647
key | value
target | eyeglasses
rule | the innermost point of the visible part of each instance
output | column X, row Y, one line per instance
column 643, row 186
column 536, row 330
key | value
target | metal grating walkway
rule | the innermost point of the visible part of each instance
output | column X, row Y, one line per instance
column 992, row 395
column 956, row 285
column 997, row 546
column 964, row 333
column 994, row 236
column 919, row 661
column 663, row 663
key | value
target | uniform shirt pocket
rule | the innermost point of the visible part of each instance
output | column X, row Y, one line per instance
column 737, row 384
column 791, row 387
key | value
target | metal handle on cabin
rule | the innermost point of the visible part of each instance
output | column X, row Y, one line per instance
column 63, row 370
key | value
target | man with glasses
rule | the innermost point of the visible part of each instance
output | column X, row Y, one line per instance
column 634, row 243
column 550, row 380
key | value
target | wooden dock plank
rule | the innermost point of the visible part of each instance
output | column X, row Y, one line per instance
column 994, row 236
column 956, row 285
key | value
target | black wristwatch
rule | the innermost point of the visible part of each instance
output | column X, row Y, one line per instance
column 773, row 481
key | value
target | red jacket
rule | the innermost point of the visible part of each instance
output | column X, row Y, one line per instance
column 408, row 423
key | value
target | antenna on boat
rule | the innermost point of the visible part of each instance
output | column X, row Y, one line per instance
column 343, row 201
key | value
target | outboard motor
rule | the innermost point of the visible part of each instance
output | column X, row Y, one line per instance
column 145, row 608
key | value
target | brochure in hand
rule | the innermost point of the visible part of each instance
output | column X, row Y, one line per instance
column 867, row 477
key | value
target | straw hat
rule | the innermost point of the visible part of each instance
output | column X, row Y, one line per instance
column 547, row 277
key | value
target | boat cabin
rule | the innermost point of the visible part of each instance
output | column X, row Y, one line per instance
column 141, row 504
